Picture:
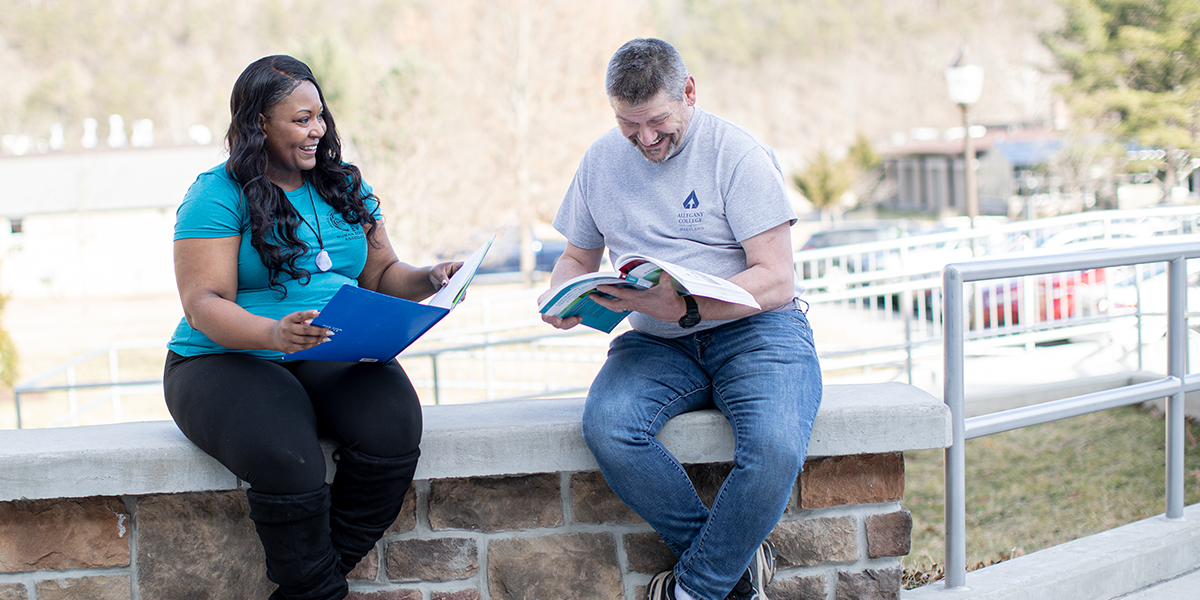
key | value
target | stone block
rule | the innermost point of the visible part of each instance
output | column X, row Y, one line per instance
column 798, row 588
column 647, row 553
column 581, row 566
column 84, row 533
column 200, row 545
column 385, row 595
column 407, row 520
column 592, row 501
column 495, row 503
column 641, row 591
column 85, row 588
column 707, row 479
column 872, row 584
column 814, row 541
column 367, row 568
column 441, row 559
column 458, row 595
column 13, row 591
column 858, row 479
column 890, row 534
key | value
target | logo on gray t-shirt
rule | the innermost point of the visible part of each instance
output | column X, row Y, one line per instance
column 691, row 219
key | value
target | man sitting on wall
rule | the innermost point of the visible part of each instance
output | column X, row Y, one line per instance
column 680, row 184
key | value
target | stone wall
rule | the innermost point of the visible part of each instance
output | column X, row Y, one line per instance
column 507, row 505
column 547, row 536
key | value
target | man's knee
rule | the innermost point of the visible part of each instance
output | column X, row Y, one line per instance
column 606, row 434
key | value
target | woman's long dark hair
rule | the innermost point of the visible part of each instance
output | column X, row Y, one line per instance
column 273, row 220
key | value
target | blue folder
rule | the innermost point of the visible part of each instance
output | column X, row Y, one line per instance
column 369, row 326
column 373, row 327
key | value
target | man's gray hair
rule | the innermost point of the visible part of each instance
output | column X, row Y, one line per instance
column 643, row 67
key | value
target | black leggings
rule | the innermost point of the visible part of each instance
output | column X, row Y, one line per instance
column 262, row 418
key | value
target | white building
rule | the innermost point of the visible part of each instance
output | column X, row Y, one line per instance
column 94, row 223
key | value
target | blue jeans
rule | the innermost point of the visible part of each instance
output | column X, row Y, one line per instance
column 762, row 373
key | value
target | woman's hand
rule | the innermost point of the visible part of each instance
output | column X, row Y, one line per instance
column 295, row 332
column 440, row 274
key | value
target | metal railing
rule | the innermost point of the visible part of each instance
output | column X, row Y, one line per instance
column 111, row 389
column 1176, row 383
column 900, row 288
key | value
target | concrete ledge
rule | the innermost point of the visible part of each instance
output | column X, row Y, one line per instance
column 1098, row 567
column 536, row 436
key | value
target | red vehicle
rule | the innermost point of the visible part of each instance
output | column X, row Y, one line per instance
column 1055, row 297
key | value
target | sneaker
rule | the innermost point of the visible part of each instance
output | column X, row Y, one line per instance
column 662, row 586
column 762, row 568
column 753, row 584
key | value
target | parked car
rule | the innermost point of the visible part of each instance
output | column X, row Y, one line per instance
column 504, row 257
column 847, row 234
column 1055, row 296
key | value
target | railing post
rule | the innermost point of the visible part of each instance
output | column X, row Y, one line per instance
column 17, row 402
column 72, row 397
column 906, row 305
column 954, row 395
column 114, row 377
column 1137, row 290
column 437, row 396
column 1177, row 334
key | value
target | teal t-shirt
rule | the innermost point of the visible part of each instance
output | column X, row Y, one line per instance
column 212, row 208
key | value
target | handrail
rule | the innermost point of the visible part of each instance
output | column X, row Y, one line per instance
column 900, row 286
column 1173, row 386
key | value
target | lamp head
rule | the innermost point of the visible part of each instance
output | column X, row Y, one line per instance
column 964, row 79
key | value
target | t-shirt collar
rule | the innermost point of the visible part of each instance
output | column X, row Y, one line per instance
column 689, row 133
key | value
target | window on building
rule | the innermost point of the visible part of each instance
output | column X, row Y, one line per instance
column 16, row 225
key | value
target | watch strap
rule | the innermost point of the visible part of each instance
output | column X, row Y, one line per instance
column 692, row 317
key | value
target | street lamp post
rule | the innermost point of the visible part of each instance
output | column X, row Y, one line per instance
column 965, row 83
column 964, row 80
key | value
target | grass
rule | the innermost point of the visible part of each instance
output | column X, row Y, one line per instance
column 1041, row 486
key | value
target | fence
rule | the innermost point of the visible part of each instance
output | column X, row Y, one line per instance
column 1176, row 383
column 489, row 348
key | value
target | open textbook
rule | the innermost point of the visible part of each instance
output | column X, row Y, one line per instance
column 574, row 297
column 374, row 327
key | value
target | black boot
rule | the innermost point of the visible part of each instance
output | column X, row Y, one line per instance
column 294, row 529
column 368, row 492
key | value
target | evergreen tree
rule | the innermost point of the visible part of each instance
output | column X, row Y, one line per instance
column 825, row 181
column 1135, row 72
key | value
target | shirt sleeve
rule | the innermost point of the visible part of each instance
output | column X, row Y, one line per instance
column 373, row 203
column 574, row 220
column 757, row 199
column 210, row 209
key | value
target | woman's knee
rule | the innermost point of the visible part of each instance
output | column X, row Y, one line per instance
column 392, row 432
column 284, row 469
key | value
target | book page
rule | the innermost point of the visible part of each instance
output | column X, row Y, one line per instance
column 694, row 282
column 452, row 293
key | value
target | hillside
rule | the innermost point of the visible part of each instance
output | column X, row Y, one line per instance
column 469, row 114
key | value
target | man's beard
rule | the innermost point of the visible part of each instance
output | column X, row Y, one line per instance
column 672, row 146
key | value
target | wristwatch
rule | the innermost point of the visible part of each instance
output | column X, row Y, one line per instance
column 692, row 317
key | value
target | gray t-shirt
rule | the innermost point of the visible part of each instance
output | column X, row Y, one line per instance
column 694, row 209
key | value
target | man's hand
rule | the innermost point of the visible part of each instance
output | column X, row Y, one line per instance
column 566, row 323
column 661, row 301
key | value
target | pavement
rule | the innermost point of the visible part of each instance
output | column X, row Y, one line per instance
column 1152, row 559
column 1184, row 587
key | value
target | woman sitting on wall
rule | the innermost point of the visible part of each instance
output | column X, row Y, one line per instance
column 260, row 242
